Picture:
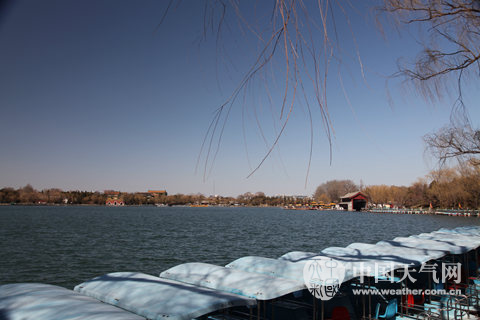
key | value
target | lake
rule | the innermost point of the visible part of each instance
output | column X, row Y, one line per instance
column 67, row 245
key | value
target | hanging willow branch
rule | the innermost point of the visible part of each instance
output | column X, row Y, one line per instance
column 298, row 39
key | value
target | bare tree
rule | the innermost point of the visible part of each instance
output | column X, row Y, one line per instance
column 378, row 194
column 298, row 41
column 446, row 188
column 471, row 184
column 453, row 48
column 334, row 189
column 455, row 142
column 417, row 194
column 451, row 53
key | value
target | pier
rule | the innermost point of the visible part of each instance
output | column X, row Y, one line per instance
column 446, row 212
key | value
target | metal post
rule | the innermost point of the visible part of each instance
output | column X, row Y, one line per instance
column 264, row 309
column 258, row 309
column 273, row 309
column 406, row 298
column 363, row 302
column 369, row 301
column 476, row 261
column 323, row 310
column 430, row 288
column 467, row 269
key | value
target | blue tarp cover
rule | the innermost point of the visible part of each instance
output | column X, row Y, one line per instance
column 253, row 285
column 35, row 301
column 156, row 298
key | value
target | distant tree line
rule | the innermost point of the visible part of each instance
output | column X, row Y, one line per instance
column 28, row 195
column 444, row 188
column 457, row 187
column 332, row 190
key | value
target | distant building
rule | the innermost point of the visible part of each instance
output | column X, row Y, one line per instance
column 112, row 194
column 114, row 202
column 113, row 198
column 300, row 197
column 157, row 193
column 354, row 201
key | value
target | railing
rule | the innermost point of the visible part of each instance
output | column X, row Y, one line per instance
column 458, row 212
column 452, row 212
column 420, row 312
column 402, row 211
column 453, row 308
column 460, row 306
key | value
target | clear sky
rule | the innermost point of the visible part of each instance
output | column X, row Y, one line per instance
column 93, row 98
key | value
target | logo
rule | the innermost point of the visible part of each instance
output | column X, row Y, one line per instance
column 323, row 277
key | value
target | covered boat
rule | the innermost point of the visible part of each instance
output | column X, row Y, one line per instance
column 253, row 285
column 156, row 298
column 21, row 301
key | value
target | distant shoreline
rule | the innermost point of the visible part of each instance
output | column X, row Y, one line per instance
column 52, row 205
column 126, row 205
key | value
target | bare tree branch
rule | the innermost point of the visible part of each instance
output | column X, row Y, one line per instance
column 455, row 143
column 452, row 24
column 290, row 39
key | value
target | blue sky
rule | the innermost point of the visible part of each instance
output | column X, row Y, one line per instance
column 93, row 98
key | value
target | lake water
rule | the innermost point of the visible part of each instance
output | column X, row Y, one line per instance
column 68, row 245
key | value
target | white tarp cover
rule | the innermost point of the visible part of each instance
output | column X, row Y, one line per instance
column 474, row 230
column 465, row 242
column 297, row 256
column 272, row 267
column 365, row 261
column 475, row 239
column 340, row 251
column 412, row 241
column 430, row 244
column 252, row 285
column 356, row 262
column 466, row 229
column 377, row 259
column 35, row 301
column 156, row 298
column 384, row 251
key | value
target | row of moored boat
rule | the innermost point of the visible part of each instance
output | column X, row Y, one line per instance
column 265, row 288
